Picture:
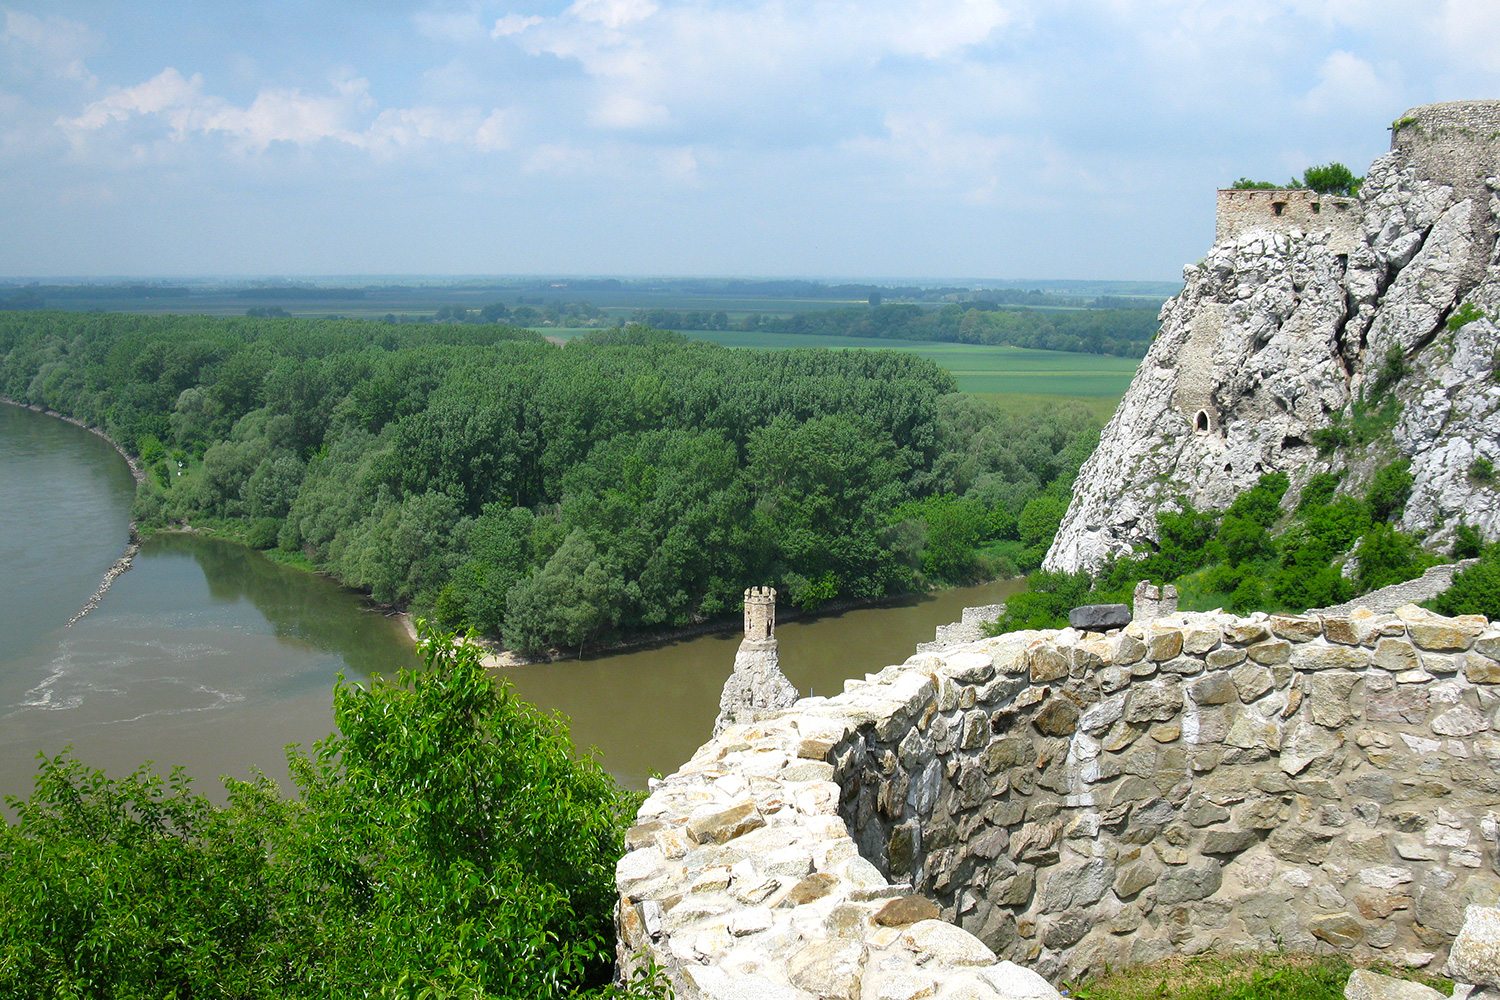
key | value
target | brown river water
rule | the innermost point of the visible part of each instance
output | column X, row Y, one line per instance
column 209, row 655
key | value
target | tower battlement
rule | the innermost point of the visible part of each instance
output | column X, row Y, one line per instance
column 760, row 614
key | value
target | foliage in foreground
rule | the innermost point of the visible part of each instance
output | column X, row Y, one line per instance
column 1234, row 977
column 448, row 843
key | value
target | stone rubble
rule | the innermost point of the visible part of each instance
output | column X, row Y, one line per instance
column 982, row 820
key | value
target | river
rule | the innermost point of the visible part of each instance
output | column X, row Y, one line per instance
column 209, row 655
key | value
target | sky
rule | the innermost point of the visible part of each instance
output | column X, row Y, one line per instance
column 924, row 139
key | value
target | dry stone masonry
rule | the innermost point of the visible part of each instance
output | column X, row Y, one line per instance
column 985, row 819
column 1289, row 319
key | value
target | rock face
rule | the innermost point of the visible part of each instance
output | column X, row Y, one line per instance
column 1072, row 801
column 1281, row 332
column 757, row 683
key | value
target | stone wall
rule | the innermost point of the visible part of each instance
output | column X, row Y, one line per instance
column 1457, row 144
column 1283, row 210
column 1071, row 800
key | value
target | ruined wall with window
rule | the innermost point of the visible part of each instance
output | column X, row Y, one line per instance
column 1282, row 210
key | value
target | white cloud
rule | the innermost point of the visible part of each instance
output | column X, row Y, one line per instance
column 1346, row 83
column 513, row 24
column 1468, row 28
column 673, row 62
column 347, row 115
column 57, row 44
column 612, row 14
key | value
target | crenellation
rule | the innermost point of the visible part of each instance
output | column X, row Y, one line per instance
column 1286, row 210
column 1065, row 801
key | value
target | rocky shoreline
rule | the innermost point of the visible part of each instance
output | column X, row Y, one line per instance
column 133, row 544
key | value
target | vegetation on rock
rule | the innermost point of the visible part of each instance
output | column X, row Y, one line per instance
column 1253, row 555
column 1230, row 977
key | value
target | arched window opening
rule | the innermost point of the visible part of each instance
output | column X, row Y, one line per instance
column 1202, row 422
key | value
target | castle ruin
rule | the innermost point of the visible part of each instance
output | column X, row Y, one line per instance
column 757, row 684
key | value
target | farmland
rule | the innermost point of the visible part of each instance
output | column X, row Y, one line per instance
column 1016, row 378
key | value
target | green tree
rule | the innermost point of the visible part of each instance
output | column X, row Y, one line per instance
column 1332, row 178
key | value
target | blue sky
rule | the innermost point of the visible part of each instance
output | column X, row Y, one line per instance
column 924, row 139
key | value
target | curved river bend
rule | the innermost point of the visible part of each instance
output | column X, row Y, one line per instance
column 209, row 655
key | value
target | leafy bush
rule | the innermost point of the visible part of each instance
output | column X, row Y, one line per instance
column 1332, row 178
column 445, row 842
column 1388, row 556
column 1467, row 541
column 1475, row 591
column 1389, row 490
column 1481, row 471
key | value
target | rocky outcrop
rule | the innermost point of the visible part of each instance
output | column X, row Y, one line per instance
column 756, row 685
column 1072, row 801
column 1280, row 333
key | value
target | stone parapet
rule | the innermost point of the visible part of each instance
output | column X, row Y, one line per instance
column 1068, row 801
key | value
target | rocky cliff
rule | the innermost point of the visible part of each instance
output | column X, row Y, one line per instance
column 1380, row 326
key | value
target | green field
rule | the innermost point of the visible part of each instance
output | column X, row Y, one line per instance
column 1014, row 377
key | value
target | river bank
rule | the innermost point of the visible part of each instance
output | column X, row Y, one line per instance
column 496, row 657
column 133, row 541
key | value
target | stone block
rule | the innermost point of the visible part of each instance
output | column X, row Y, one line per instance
column 1226, row 656
column 1214, row 689
column 1329, row 694
column 1163, row 643
column 1460, row 720
column 1404, row 703
column 1270, row 651
column 1252, row 681
column 1156, row 701
column 1057, row 717
column 1131, row 879
column 1200, row 637
column 1475, row 956
column 1186, row 884
column 1480, row 669
column 1044, row 662
column 1099, row 617
column 1342, row 930
column 942, row 943
column 828, row 969
column 1228, row 841
column 1337, row 628
column 1296, row 628
column 1433, row 632
column 1366, row 985
column 1244, row 632
column 1126, row 649
column 719, row 825
column 1328, row 656
column 904, row 911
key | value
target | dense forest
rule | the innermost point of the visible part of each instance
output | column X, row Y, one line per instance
column 1123, row 331
column 558, row 496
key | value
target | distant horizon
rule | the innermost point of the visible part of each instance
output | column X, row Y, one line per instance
column 289, row 279
column 686, row 137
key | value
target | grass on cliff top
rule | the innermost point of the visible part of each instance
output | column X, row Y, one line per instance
column 1234, row 977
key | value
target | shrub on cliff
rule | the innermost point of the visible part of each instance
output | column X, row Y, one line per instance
column 446, row 842
column 1475, row 591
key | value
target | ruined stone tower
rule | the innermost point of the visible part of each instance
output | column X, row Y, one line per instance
column 757, row 684
column 760, row 615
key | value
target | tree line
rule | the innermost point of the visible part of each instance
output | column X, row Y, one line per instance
column 1124, row 332
column 557, row 497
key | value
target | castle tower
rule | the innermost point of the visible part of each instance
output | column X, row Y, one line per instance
column 760, row 614
column 757, row 684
